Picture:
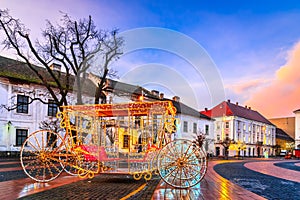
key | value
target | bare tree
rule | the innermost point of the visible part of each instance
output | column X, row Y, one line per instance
column 74, row 45
column 200, row 138
column 52, row 124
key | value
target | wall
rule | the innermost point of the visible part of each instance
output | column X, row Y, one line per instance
column 287, row 124
column 297, row 129
column 190, row 135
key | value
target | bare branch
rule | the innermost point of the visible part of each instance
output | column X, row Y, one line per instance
column 72, row 44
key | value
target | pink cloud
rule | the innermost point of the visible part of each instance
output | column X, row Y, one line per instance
column 281, row 97
column 246, row 86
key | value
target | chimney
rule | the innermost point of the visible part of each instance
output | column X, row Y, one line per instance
column 249, row 108
column 237, row 103
column 161, row 95
column 176, row 98
column 228, row 100
column 155, row 93
column 206, row 109
column 55, row 66
column 246, row 106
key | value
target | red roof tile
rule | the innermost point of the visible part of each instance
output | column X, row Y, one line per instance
column 229, row 109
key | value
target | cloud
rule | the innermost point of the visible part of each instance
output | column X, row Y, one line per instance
column 281, row 97
column 242, row 87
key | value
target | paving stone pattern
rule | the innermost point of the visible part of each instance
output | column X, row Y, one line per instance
column 10, row 165
column 104, row 187
column 12, row 175
column 288, row 165
column 266, row 186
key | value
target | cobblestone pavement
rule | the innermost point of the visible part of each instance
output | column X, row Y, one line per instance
column 10, row 169
column 12, row 175
column 102, row 187
column 288, row 165
column 264, row 185
column 212, row 186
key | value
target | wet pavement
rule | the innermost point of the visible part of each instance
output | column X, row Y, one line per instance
column 289, row 165
column 225, row 179
column 267, row 186
column 108, row 187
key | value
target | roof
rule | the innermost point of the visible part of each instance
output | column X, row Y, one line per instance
column 280, row 134
column 19, row 72
column 120, row 87
column 186, row 110
column 229, row 109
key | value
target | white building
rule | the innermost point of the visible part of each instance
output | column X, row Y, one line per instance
column 297, row 129
column 191, row 122
column 245, row 131
column 18, row 85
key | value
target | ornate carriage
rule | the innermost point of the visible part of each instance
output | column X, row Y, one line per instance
column 130, row 138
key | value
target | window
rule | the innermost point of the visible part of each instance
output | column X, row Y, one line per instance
column 194, row 127
column 206, row 129
column 185, row 126
column 218, row 126
column 226, row 124
column 126, row 141
column 21, row 135
column 52, row 108
column 22, row 104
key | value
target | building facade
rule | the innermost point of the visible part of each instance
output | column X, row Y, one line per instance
column 241, row 131
column 18, row 88
column 190, row 122
column 297, row 129
column 287, row 124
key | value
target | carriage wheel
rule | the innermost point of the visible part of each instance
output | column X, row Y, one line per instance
column 182, row 164
column 74, row 162
column 40, row 155
column 70, row 160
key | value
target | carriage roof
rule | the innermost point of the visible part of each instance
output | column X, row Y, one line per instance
column 124, row 109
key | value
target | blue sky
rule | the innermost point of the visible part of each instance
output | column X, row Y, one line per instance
column 249, row 42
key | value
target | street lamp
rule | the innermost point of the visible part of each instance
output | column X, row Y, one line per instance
column 8, row 123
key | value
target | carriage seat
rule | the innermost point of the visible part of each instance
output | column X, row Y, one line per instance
column 142, row 159
column 96, row 153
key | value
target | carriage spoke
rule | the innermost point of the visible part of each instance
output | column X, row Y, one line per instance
column 39, row 162
column 185, row 169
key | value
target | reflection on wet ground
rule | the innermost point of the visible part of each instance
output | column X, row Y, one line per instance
column 225, row 179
